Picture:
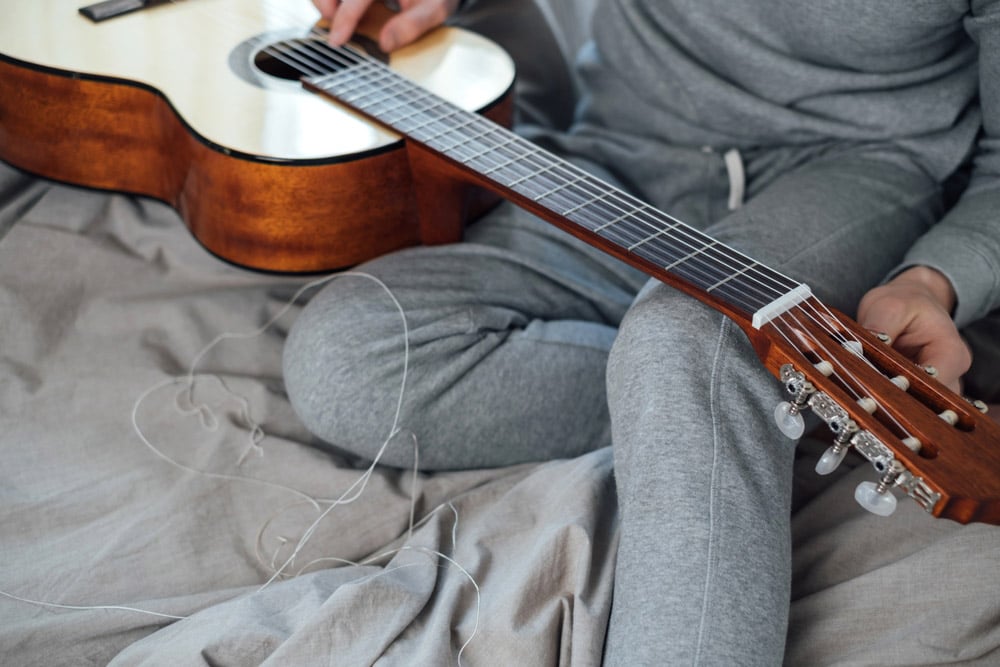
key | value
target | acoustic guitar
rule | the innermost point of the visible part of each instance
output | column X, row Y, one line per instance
column 923, row 441
column 186, row 102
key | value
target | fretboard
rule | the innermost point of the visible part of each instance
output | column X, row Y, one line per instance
column 512, row 164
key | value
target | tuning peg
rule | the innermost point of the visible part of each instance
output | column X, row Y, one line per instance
column 789, row 419
column 869, row 497
column 787, row 414
column 831, row 460
column 876, row 498
column 835, row 454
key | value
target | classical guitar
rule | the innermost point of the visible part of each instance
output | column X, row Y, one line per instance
column 185, row 102
column 923, row 441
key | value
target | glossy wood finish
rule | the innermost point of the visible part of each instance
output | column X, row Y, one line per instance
column 256, row 192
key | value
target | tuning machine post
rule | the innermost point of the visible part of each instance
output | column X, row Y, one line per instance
column 788, row 414
column 877, row 498
column 835, row 453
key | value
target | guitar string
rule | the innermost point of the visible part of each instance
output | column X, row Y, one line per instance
column 717, row 279
column 820, row 320
column 854, row 380
column 343, row 57
column 837, row 334
column 311, row 69
column 626, row 242
column 639, row 213
column 641, row 242
column 328, row 57
column 358, row 58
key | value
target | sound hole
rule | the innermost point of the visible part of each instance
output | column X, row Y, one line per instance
column 279, row 59
column 267, row 62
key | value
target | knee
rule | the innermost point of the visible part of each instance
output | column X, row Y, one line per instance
column 342, row 363
column 664, row 325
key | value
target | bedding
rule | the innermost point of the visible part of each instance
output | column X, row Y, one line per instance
column 160, row 504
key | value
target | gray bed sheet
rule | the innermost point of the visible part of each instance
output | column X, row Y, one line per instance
column 145, row 521
column 115, row 494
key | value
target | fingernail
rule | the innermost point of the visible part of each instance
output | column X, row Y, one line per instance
column 930, row 370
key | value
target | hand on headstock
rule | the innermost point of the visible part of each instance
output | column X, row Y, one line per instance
column 919, row 434
column 914, row 310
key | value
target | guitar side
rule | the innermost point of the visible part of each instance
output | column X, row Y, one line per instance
column 273, row 179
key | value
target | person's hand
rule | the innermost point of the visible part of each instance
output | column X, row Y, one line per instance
column 914, row 309
column 414, row 19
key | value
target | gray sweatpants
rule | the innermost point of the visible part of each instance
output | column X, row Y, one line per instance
column 526, row 345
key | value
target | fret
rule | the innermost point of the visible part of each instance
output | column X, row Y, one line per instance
column 731, row 277
column 558, row 188
column 620, row 218
column 430, row 118
column 579, row 198
column 512, row 160
column 451, row 130
column 469, row 140
column 427, row 115
column 688, row 257
column 486, row 151
column 592, row 200
column 650, row 237
column 533, row 174
column 338, row 82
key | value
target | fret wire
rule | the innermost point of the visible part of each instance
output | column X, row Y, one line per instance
column 505, row 163
column 406, row 104
column 691, row 265
column 588, row 202
column 600, row 198
column 604, row 195
column 451, row 129
column 465, row 141
column 698, row 272
column 490, row 150
column 650, row 238
column 416, row 130
column 544, row 169
column 692, row 274
column 478, row 154
column 621, row 217
column 557, row 189
column 726, row 280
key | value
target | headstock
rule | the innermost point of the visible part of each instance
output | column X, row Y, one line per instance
column 922, row 439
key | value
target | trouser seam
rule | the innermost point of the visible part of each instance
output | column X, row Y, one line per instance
column 714, row 385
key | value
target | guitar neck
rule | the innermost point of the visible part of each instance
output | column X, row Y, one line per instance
column 563, row 193
column 871, row 398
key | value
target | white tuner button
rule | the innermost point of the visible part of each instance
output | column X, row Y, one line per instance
column 868, row 497
column 830, row 460
column 789, row 420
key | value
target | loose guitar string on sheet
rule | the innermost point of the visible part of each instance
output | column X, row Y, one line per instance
column 186, row 404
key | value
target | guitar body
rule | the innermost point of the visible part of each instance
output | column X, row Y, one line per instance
column 172, row 102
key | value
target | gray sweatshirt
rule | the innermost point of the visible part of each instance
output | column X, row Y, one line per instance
column 920, row 75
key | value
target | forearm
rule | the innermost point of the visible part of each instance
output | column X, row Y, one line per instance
column 965, row 249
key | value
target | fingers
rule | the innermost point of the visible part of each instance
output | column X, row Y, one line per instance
column 918, row 320
column 345, row 17
column 415, row 18
column 325, row 7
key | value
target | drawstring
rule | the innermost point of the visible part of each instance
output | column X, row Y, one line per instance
column 737, row 178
